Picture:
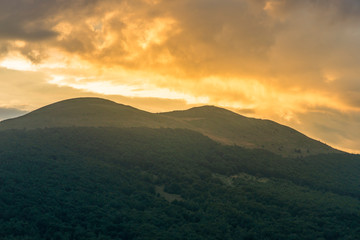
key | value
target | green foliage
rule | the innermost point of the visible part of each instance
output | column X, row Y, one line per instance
column 101, row 183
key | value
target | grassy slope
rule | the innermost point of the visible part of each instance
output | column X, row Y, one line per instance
column 94, row 112
column 219, row 124
column 230, row 128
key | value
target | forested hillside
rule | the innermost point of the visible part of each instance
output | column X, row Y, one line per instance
column 142, row 183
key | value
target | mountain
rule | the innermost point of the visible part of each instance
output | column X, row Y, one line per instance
column 230, row 128
column 144, row 183
column 89, row 168
column 219, row 124
column 86, row 112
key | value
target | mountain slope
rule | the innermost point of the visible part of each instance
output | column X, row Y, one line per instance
column 116, row 183
column 87, row 112
column 231, row 128
column 219, row 124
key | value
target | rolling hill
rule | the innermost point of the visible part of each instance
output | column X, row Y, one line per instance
column 219, row 124
column 90, row 168
column 233, row 129
column 86, row 112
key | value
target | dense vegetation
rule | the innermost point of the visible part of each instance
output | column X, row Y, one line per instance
column 140, row 183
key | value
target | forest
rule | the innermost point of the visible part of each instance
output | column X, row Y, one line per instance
column 142, row 183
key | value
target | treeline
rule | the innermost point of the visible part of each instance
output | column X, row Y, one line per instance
column 100, row 183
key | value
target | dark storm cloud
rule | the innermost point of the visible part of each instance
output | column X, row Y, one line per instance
column 32, row 20
column 25, row 20
column 14, row 31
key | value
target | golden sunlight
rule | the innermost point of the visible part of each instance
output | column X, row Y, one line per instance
column 282, row 60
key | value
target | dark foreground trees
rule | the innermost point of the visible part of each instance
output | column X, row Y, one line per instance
column 102, row 183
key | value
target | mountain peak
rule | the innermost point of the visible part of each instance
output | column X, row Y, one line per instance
column 217, row 123
column 209, row 108
column 81, row 102
column 85, row 99
column 206, row 111
column 85, row 112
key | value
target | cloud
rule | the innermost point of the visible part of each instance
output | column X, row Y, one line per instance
column 191, row 40
column 279, row 58
column 6, row 113
column 328, row 126
column 24, row 91
column 272, row 41
column 21, row 19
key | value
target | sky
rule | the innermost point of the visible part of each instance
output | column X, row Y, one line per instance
column 296, row 62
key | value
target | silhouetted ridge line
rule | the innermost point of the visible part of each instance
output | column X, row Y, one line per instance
column 219, row 124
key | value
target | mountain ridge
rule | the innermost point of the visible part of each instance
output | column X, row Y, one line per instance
column 219, row 124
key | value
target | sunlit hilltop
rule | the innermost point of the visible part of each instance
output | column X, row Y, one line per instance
column 294, row 62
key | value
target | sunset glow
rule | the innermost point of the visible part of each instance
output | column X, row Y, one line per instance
column 294, row 62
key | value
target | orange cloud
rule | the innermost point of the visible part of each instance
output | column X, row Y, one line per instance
column 280, row 59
